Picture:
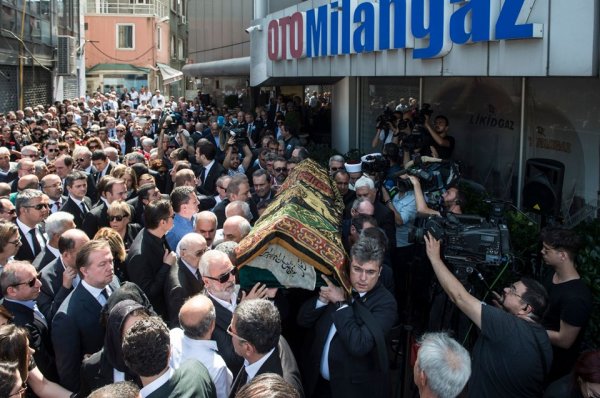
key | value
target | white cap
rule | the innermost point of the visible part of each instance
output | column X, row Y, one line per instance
column 353, row 167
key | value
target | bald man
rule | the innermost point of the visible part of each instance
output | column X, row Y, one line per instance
column 206, row 225
column 235, row 228
column 192, row 341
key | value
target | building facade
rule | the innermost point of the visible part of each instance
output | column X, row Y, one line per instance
column 129, row 44
column 37, row 37
column 517, row 80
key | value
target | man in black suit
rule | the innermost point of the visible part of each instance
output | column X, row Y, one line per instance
column 218, row 274
column 350, row 331
column 238, row 189
column 102, row 164
column 60, row 277
column 65, row 165
column 184, row 280
column 76, row 328
column 114, row 189
column 25, row 167
column 261, row 180
column 149, row 259
column 77, row 203
column 55, row 225
column 146, row 194
column 212, row 135
column 20, row 288
column 32, row 209
column 365, row 187
column 146, row 350
column 256, row 331
column 211, row 169
column 51, row 185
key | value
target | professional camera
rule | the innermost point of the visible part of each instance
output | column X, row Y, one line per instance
column 238, row 133
column 374, row 164
column 170, row 123
column 466, row 240
column 434, row 176
column 386, row 118
column 419, row 137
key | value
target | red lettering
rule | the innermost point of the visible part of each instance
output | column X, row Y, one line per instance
column 284, row 23
column 296, row 35
column 273, row 40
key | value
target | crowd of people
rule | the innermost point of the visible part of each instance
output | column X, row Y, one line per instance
column 119, row 217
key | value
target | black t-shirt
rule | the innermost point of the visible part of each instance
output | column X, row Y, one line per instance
column 510, row 356
column 570, row 302
column 443, row 151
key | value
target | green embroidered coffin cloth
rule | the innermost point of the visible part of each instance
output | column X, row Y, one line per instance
column 298, row 236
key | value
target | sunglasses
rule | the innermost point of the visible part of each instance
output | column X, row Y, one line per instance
column 280, row 169
column 40, row 206
column 52, row 149
column 336, row 168
column 230, row 332
column 224, row 277
column 11, row 211
column 116, row 218
column 80, row 160
column 30, row 283
column 93, row 146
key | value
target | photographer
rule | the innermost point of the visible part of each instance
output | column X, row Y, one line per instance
column 232, row 157
column 452, row 200
column 443, row 143
column 386, row 131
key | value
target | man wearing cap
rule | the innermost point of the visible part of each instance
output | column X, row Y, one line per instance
column 355, row 172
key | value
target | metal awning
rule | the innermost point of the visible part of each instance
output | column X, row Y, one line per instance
column 169, row 75
column 226, row 67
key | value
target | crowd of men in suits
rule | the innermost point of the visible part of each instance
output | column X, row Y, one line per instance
column 96, row 317
column 118, row 260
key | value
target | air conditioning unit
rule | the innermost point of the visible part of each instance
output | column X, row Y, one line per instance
column 66, row 51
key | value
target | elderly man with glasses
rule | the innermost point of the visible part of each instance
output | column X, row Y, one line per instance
column 21, row 287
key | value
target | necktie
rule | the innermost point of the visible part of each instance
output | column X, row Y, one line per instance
column 103, row 297
column 36, row 245
column 240, row 380
column 104, row 293
column 84, row 207
column 37, row 314
column 57, row 205
column 197, row 273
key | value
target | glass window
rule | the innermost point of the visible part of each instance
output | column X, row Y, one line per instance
column 125, row 37
column 377, row 93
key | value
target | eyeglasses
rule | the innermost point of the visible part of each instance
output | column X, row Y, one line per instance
column 280, row 169
column 30, row 283
column 16, row 242
column 39, row 206
column 52, row 149
column 117, row 218
column 513, row 290
column 224, row 277
column 80, row 160
column 21, row 391
column 230, row 332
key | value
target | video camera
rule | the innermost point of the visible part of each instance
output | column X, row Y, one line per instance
column 469, row 243
column 434, row 176
column 374, row 164
column 170, row 121
column 386, row 117
column 238, row 133
column 418, row 137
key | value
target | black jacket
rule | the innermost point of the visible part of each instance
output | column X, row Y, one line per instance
column 353, row 362
column 180, row 285
column 71, row 207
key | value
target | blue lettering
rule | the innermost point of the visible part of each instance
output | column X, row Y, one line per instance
column 399, row 23
column 435, row 30
column 346, row 27
column 316, row 32
column 335, row 26
column 366, row 29
column 506, row 25
column 480, row 21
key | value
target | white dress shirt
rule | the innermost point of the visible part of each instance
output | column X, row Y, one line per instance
column 252, row 369
column 204, row 351
column 156, row 384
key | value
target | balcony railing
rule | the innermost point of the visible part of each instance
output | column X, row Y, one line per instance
column 142, row 8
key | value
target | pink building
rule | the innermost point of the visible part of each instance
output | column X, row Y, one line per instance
column 127, row 45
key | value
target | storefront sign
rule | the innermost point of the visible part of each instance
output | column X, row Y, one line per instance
column 430, row 27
